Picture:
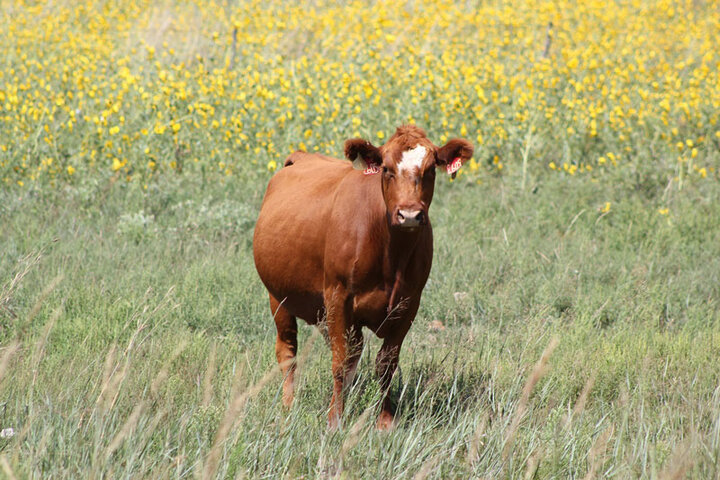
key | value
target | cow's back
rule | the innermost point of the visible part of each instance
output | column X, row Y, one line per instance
column 289, row 239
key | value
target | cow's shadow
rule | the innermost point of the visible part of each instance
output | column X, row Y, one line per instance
column 433, row 391
column 430, row 390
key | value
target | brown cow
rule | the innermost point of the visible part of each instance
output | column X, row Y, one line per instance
column 353, row 247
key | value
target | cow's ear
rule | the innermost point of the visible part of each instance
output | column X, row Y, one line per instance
column 453, row 154
column 362, row 153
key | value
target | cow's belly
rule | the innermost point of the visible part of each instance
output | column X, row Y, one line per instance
column 307, row 306
column 292, row 273
column 288, row 249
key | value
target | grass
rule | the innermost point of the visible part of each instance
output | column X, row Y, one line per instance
column 570, row 325
column 137, row 340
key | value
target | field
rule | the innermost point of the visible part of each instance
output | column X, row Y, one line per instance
column 570, row 327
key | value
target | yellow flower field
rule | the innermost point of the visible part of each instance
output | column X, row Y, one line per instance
column 138, row 89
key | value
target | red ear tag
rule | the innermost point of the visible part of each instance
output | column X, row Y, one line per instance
column 372, row 169
column 454, row 166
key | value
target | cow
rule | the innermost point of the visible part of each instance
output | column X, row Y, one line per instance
column 351, row 247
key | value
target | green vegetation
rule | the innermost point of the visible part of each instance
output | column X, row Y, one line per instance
column 134, row 329
column 570, row 325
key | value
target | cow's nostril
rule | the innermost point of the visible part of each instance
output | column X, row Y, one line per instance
column 410, row 218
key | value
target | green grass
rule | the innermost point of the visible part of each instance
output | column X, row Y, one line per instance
column 137, row 328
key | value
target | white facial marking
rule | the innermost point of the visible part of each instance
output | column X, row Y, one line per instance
column 412, row 159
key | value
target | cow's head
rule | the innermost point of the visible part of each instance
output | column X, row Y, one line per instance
column 407, row 164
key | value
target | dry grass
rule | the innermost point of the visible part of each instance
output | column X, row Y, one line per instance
column 596, row 455
column 537, row 373
column 238, row 400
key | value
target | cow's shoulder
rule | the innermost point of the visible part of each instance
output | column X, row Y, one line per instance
column 356, row 229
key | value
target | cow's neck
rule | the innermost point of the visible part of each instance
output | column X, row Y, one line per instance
column 399, row 250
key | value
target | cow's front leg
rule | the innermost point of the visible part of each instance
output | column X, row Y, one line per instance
column 385, row 365
column 346, row 343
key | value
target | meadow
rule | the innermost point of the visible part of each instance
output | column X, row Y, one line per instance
column 570, row 326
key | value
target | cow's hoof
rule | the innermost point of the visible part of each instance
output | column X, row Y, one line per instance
column 385, row 422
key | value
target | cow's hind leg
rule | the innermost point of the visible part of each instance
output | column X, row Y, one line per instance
column 285, row 347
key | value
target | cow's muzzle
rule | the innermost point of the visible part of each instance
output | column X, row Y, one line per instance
column 410, row 218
